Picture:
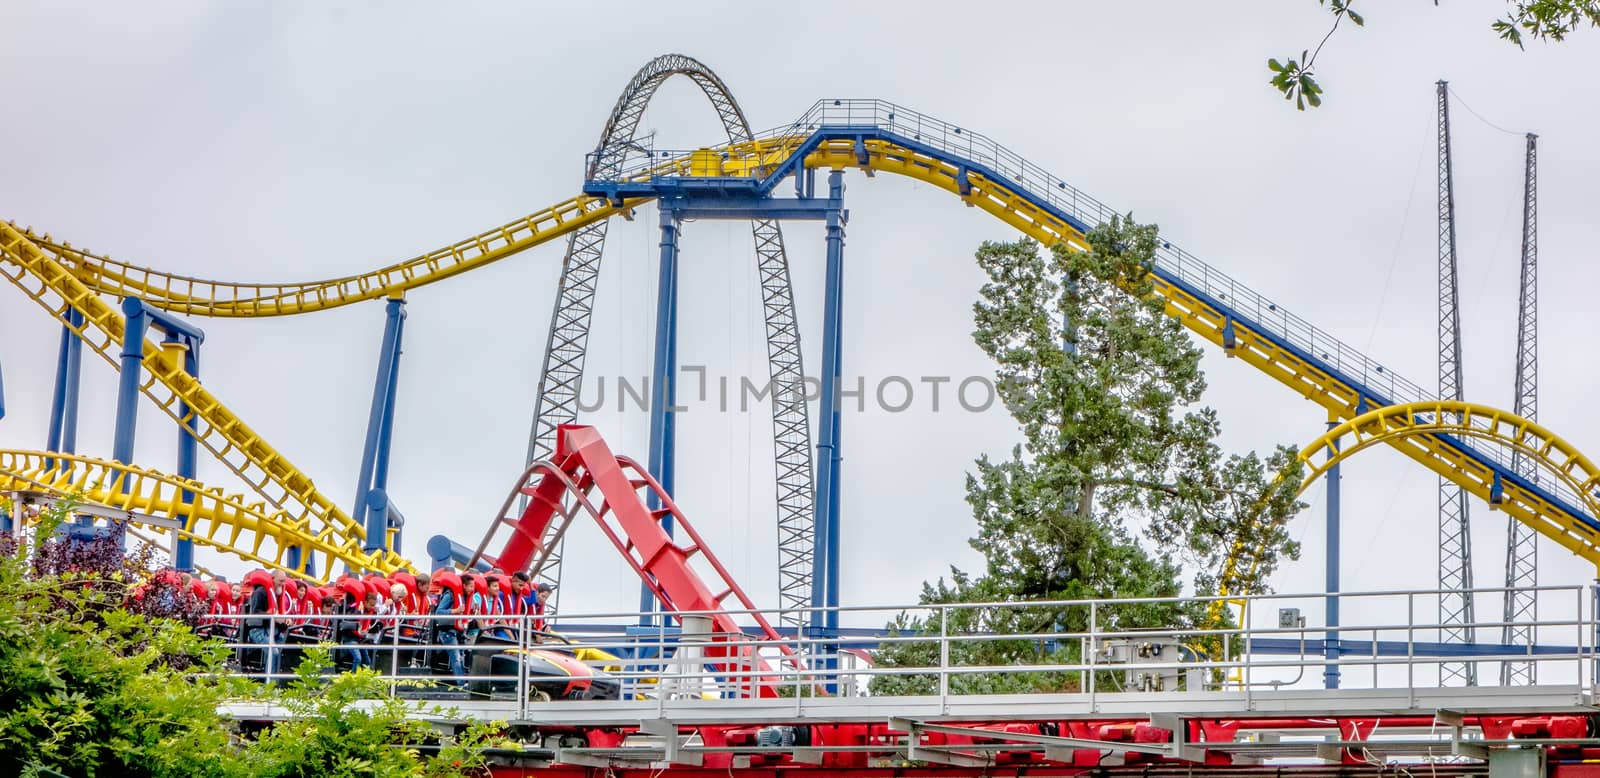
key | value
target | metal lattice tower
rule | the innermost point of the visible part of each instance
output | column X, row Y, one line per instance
column 1522, row 549
column 1455, row 532
column 559, row 385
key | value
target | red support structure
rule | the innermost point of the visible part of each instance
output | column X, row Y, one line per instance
column 853, row 750
column 582, row 463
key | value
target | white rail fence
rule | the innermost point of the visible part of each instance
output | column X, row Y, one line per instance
column 1095, row 651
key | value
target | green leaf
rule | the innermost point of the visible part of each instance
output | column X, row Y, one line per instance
column 1355, row 17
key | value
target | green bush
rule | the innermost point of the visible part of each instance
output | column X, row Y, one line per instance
column 93, row 684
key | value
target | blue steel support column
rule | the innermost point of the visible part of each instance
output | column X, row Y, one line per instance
column 390, row 517
column 291, row 559
column 183, row 551
column 380, row 472
column 64, row 401
column 1330, row 638
column 663, row 382
column 825, row 575
column 138, row 319
column 131, row 370
column 380, row 426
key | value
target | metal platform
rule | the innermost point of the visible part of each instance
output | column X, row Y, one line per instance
column 730, row 677
column 1019, row 707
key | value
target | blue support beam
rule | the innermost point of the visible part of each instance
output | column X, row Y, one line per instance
column 63, row 433
column 871, row 638
column 373, row 478
column 139, row 318
column 825, row 574
column 444, row 552
column 386, row 514
column 702, row 207
column 130, row 370
column 137, row 323
column 664, row 382
column 291, row 559
column 188, row 450
column 1400, row 648
column 705, row 198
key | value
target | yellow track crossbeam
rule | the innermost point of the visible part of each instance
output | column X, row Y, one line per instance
column 1415, row 428
column 252, row 531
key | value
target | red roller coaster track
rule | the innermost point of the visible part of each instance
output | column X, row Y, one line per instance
column 583, row 463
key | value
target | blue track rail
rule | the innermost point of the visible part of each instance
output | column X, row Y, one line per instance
column 864, row 120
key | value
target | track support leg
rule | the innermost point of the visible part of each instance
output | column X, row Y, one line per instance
column 374, row 476
column 664, row 383
column 825, row 576
column 63, row 436
column 181, row 346
column 188, row 450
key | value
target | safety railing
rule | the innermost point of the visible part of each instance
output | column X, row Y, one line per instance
column 1053, row 190
column 1325, row 351
column 1095, row 652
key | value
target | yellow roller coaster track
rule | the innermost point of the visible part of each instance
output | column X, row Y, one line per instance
column 252, row 531
column 59, row 276
column 1407, row 427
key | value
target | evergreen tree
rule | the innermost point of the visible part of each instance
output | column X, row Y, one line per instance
column 1118, row 487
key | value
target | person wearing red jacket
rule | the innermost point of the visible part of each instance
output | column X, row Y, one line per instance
column 542, row 591
column 473, row 589
column 220, row 618
column 311, row 613
column 425, row 600
column 497, row 610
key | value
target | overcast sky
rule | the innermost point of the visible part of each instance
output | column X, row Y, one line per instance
column 288, row 141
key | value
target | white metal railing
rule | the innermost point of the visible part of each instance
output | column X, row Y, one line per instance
column 1171, row 261
column 1086, row 648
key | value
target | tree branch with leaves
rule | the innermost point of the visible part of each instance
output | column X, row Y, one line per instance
column 1541, row 20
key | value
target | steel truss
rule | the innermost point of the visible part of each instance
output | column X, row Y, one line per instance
column 561, row 380
column 1455, row 531
column 1522, row 549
